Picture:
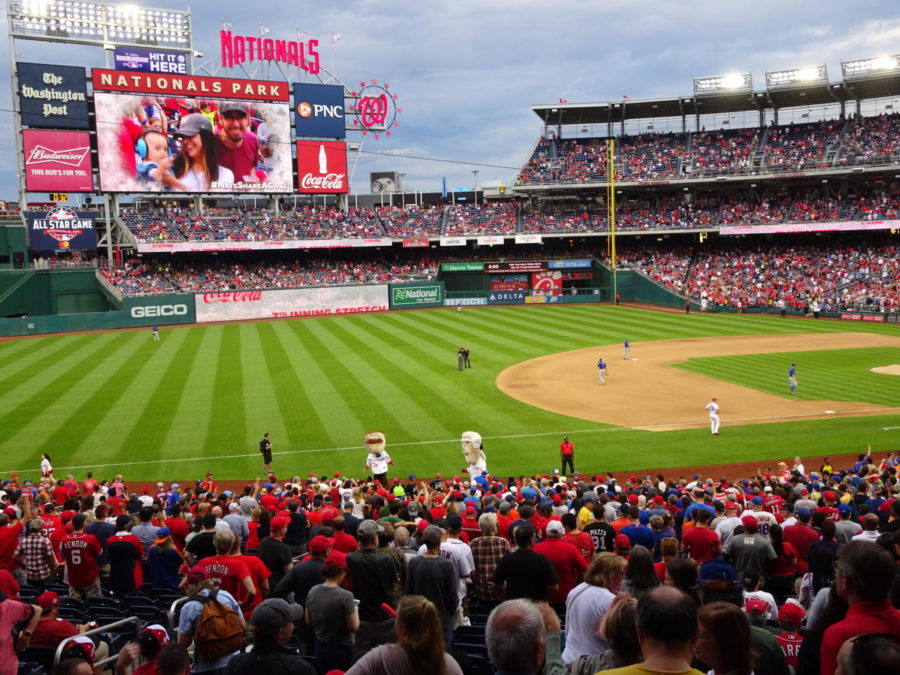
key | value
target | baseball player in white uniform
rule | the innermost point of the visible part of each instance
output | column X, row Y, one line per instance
column 713, row 408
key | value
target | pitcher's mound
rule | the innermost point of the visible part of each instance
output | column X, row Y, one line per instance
column 649, row 394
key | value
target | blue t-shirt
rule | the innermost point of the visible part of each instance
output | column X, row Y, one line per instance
column 190, row 615
column 640, row 534
column 792, row 371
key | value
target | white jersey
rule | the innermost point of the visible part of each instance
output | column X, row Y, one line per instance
column 765, row 520
column 713, row 408
column 378, row 462
column 725, row 529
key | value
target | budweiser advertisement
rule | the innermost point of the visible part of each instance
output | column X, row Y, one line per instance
column 322, row 167
column 57, row 161
column 162, row 144
column 294, row 302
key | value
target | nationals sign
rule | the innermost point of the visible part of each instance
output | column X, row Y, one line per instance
column 293, row 302
column 322, row 167
column 57, row 161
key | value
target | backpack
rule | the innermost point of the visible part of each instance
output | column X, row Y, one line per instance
column 218, row 631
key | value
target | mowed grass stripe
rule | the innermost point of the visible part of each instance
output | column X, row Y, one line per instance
column 410, row 416
column 226, row 428
column 267, row 395
column 405, row 362
column 43, row 368
column 196, row 404
column 16, row 354
column 326, row 405
column 50, row 385
column 348, row 375
column 293, row 400
column 480, row 335
column 97, row 393
column 162, row 404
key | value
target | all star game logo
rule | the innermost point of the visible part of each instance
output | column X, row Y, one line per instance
column 63, row 226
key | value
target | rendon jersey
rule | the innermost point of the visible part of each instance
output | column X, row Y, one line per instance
column 80, row 551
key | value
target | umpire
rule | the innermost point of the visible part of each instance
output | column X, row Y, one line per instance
column 265, row 447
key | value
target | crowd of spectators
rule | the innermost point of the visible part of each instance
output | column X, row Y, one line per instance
column 831, row 277
column 139, row 277
column 790, row 570
column 479, row 219
column 707, row 153
column 411, row 221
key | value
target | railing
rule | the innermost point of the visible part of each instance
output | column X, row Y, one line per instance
column 100, row 629
column 41, row 264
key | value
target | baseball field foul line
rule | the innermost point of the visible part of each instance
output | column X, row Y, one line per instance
column 699, row 423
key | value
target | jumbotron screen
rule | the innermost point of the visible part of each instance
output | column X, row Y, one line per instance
column 166, row 144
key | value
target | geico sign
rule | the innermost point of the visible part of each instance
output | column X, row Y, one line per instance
column 158, row 310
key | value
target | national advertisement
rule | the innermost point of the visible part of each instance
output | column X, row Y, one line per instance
column 567, row 264
column 273, row 245
column 319, row 110
column 57, row 161
column 293, row 302
column 176, row 150
column 322, row 167
column 408, row 296
column 506, row 297
column 52, row 96
column 550, row 283
column 138, row 59
column 61, row 228
column 462, row 267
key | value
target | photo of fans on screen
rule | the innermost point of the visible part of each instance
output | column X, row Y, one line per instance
column 163, row 144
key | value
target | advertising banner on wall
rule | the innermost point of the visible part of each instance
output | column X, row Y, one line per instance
column 319, row 110
column 322, row 167
column 490, row 240
column 416, row 242
column 516, row 266
column 162, row 310
column 462, row 267
column 138, row 59
column 61, row 228
column 57, row 161
column 528, row 239
column 452, row 302
column 567, row 264
column 453, row 241
column 550, row 283
column 294, row 302
column 191, row 86
column 274, row 245
column 52, row 96
column 506, row 297
column 251, row 154
column 542, row 299
column 784, row 228
column 410, row 296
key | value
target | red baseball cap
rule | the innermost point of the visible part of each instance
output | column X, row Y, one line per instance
column 755, row 606
column 791, row 612
column 622, row 540
column 47, row 600
column 278, row 523
column 751, row 524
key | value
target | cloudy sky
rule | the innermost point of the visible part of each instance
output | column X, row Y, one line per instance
column 468, row 72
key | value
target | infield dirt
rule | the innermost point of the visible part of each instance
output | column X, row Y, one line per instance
column 646, row 392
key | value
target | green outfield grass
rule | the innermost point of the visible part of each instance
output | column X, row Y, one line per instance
column 201, row 398
column 837, row 375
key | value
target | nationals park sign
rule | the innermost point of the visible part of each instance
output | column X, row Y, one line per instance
column 417, row 295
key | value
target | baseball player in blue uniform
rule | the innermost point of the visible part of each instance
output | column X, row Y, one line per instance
column 601, row 371
column 792, row 377
column 627, row 348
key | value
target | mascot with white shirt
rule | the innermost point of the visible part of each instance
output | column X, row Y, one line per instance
column 474, row 454
column 378, row 458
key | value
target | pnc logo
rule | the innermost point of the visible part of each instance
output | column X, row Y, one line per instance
column 304, row 110
column 158, row 310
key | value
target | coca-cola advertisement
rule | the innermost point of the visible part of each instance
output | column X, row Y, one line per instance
column 322, row 167
column 174, row 144
column 288, row 303
column 57, row 161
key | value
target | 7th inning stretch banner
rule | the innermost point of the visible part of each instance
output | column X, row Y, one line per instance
column 292, row 302
column 189, row 246
column 784, row 228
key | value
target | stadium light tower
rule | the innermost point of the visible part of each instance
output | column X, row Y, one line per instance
column 796, row 77
column 873, row 67
column 732, row 83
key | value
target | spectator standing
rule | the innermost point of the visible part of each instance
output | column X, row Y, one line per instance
column 80, row 551
column 125, row 553
column 381, row 575
column 237, row 523
column 588, row 602
column 227, row 572
column 332, row 611
column 600, row 531
column 751, row 549
column 524, row 573
column 164, row 561
column 435, row 577
column 271, row 626
column 567, row 561
column 487, row 551
column 201, row 545
column 145, row 530
column 523, row 637
column 580, row 540
column 274, row 552
column 13, row 612
column 35, row 553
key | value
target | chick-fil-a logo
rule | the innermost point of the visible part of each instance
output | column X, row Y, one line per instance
column 232, row 296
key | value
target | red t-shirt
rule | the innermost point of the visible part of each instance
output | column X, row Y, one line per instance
column 228, row 573
column 88, row 486
column 783, row 565
column 790, row 645
column 14, row 611
column 701, row 543
column 258, row 573
column 60, row 495
column 801, row 537
column 583, row 542
column 568, row 563
column 180, row 530
column 269, row 502
column 253, row 537
column 345, row 543
column 50, row 632
column 567, row 448
column 79, row 551
column 9, row 540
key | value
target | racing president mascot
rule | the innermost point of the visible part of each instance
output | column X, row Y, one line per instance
column 475, row 457
column 378, row 458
